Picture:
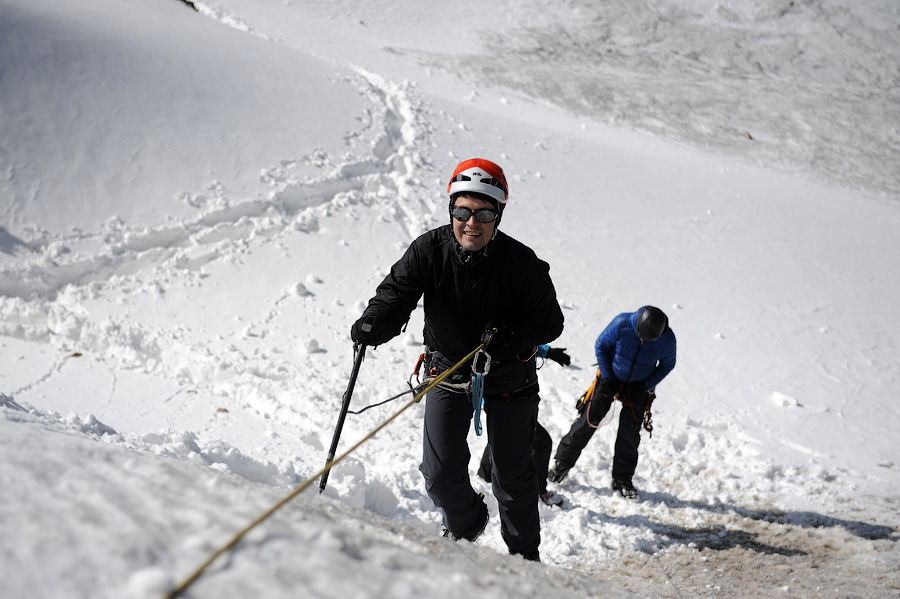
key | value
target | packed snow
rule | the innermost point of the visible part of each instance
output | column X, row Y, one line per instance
column 195, row 205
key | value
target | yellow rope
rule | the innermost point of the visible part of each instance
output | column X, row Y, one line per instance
column 234, row 541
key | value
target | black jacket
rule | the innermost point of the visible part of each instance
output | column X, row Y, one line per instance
column 505, row 283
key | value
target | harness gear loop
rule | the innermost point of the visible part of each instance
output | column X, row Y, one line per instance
column 648, row 415
column 587, row 395
column 424, row 358
column 646, row 418
column 415, row 372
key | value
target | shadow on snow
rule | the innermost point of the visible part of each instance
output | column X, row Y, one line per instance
column 720, row 537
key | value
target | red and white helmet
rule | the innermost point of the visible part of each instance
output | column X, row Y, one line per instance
column 478, row 175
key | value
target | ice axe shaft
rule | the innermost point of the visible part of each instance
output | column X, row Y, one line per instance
column 345, row 405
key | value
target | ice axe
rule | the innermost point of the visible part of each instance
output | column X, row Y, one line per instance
column 345, row 405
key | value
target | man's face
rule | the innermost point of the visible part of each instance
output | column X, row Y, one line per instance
column 471, row 234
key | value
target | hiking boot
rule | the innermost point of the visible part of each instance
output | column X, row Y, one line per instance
column 625, row 489
column 449, row 534
column 531, row 556
column 550, row 498
column 558, row 472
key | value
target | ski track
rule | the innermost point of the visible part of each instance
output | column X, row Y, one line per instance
column 90, row 266
column 87, row 266
column 293, row 206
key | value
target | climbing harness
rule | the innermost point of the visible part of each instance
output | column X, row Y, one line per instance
column 646, row 418
column 474, row 387
column 181, row 588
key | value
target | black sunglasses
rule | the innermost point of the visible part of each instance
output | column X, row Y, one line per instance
column 483, row 215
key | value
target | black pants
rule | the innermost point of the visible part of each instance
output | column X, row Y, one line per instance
column 628, row 437
column 540, row 453
column 510, row 426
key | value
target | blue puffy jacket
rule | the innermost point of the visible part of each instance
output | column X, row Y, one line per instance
column 622, row 354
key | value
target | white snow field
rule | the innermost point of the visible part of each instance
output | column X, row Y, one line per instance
column 195, row 206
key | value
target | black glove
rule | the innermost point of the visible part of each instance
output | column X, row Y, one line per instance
column 497, row 336
column 559, row 355
column 637, row 393
column 369, row 331
column 607, row 389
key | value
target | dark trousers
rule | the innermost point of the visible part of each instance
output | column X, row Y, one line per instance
column 628, row 437
column 510, row 426
column 540, row 453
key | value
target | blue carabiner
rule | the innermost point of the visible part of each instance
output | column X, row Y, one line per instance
column 477, row 399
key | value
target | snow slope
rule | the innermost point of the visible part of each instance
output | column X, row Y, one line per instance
column 195, row 206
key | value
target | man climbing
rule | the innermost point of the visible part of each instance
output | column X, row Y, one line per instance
column 634, row 353
column 479, row 285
